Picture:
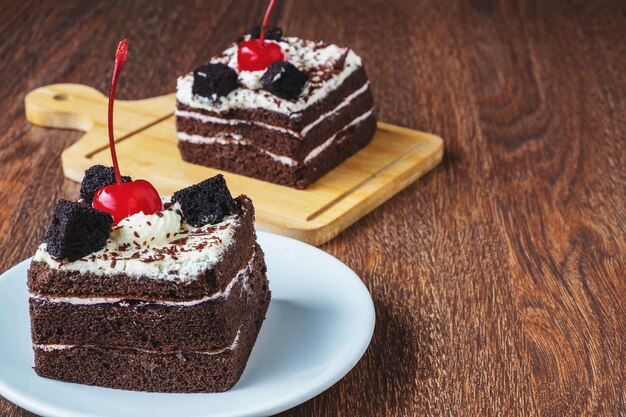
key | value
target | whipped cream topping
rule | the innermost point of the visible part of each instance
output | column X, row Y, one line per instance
column 326, row 65
column 152, row 230
column 163, row 252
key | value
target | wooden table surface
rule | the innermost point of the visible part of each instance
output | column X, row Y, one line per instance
column 499, row 279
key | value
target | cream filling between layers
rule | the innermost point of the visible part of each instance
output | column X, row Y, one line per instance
column 226, row 139
column 204, row 118
column 242, row 275
column 133, row 249
column 232, row 346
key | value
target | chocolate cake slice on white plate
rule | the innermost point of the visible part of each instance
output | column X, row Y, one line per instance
column 171, row 301
column 288, row 118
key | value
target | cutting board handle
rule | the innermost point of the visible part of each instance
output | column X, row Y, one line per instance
column 65, row 106
column 80, row 107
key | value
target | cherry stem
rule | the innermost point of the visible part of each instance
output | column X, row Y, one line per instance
column 120, row 58
column 268, row 12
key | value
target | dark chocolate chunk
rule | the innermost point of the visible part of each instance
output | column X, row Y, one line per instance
column 213, row 80
column 284, row 80
column 206, row 202
column 95, row 178
column 273, row 33
column 77, row 230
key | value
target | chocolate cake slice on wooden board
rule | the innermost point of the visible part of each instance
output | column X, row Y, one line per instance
column 171, row 302
column 289, row 124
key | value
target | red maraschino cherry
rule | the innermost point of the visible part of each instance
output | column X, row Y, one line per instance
column 124, row 198
column 257, row 54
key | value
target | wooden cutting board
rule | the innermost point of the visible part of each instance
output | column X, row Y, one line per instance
column 147, row 148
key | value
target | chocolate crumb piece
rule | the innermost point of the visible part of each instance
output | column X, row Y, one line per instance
column 136, row 234
column 77, row 230
column 284, row 80
column 213, row 80
column 95, row 178
column 113, row 262
column 273, row 33
column 149, row 224
column 207, row 202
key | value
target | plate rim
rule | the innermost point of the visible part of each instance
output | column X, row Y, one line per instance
column 270, row 407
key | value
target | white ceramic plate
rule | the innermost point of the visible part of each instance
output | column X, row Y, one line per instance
column 319, row 323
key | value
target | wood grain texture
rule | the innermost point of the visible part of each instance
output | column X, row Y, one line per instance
column 147, row 144
column 500, row 278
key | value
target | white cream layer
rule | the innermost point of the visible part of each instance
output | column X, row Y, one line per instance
column 179, row 256
column 225, row 139
column 232, row 346
column 220, row 139
column 315, row 152
column 307, row 56
column 204, row 118
column 243, row 275
column 332, row 112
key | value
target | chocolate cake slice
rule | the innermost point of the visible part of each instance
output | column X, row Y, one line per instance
column 172, row 302
column 290, row 123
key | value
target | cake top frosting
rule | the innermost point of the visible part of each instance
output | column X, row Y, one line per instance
column 187, row 235
column 162, row 245
column 325, row 65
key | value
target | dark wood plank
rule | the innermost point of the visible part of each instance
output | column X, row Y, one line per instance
column 499, row 279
